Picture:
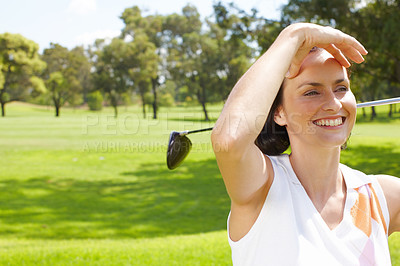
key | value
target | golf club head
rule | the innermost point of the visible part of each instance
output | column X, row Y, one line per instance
column 178, row 148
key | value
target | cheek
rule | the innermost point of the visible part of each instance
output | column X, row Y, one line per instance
column 303, row 111
column 349, row 103
column 298, row 119
column 299, row 111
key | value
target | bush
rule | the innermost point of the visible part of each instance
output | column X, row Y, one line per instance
column 5, row 97
column 189, row 101
column 95, row 101
column 167, row 100
column 148, row 98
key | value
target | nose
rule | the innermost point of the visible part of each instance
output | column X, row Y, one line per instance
column 331, row 103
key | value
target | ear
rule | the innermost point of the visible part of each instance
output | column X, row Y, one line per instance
column 280, row 117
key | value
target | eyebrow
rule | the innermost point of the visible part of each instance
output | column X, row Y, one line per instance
column 317, row 84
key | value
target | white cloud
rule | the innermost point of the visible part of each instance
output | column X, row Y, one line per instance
column 88, row 38
column 82, row 7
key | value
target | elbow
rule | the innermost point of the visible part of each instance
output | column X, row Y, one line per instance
column 226, row 145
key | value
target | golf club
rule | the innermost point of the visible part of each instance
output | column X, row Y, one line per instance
column 179, row 145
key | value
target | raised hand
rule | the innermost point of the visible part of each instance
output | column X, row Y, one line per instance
column 342, row 46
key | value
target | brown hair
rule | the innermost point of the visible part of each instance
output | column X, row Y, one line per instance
column 273, row 139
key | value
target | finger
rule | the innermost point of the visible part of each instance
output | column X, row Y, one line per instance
column 347, row 45
column 352, row 54
column 345, row 39
column 356, row 44
column 296, row 63
column 338, row 55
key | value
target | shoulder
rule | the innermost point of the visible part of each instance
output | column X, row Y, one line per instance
column 391, row 188
column 388, row 186
column 385, row 188
column 355, row 178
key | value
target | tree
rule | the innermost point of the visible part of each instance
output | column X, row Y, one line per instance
column 79, row 62
column 193, row 56
column 209, row 62
column 144, row 71
column 335, row 13
column 116, row 65
column 380, row 34
column 146, row 34
column 58, row 86
column 143, row 87
column 65, row 73
column 202, row 68
column 175, row 27
column 234, row 31
column 19, row 63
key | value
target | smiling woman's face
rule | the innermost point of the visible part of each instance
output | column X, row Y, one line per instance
column 318, row 107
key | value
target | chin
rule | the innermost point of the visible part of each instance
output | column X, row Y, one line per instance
column 333, row 143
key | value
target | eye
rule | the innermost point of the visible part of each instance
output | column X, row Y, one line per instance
column 311, row 93
column 342, row 88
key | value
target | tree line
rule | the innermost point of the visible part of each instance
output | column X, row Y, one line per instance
column 162, row 60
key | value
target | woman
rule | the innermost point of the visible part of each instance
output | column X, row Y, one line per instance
column 304, row 208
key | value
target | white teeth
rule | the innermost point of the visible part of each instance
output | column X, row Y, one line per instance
column 329, row 123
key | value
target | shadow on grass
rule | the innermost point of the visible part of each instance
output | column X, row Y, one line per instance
column 148, row 202
column 372, row 159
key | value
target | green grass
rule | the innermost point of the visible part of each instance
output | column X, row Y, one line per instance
column 88, row 189
column 198, row 249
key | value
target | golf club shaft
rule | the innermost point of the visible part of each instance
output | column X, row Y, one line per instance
column 359, row 105
column 379, row 102
column 183, row 133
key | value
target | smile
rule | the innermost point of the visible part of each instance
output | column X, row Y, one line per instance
column 330, row 122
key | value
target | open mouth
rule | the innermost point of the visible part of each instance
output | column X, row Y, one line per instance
column 330, row 122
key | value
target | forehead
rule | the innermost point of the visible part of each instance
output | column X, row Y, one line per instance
column 319, row 66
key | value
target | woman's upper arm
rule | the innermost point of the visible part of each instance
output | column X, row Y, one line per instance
column 391, row 188
column 246, row 171
column 248, row 176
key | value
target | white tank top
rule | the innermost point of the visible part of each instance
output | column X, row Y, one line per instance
column 290, row 231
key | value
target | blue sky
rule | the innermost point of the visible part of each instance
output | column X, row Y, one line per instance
column 76, row 22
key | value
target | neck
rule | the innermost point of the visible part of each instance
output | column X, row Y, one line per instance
column 318, row 171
